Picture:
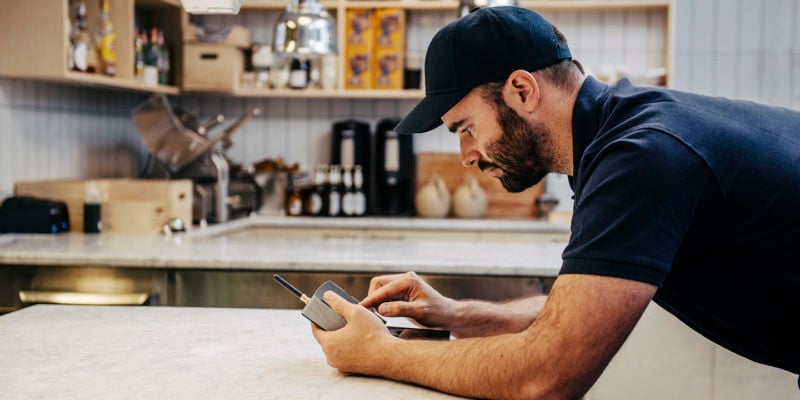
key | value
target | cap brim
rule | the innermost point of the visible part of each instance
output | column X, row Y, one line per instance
column 427, row 114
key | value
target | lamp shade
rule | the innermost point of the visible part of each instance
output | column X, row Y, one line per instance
column 304, row 28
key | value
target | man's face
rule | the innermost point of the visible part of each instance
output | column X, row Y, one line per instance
column 517, row 152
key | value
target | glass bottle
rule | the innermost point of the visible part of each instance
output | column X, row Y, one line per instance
column 151, row 58
column 163, row 63
column 294, row 198
column 318, row 198
column 298, row 74
column 335, row 191
column 81, row 44
column 359, row 197
column 138, row 51
column 106, row 38
column 347, row 192
column 92, row 214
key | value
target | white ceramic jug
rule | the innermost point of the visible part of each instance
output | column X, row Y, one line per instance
column 433, row 199
column 469, row 199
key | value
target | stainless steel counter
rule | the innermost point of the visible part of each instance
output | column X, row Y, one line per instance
column 231, row 264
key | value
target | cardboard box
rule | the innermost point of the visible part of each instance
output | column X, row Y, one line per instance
column 388, row 69
column 212, row 67
column 390, row 28
column 359, row 29
column 359, row 69
column 127, row 205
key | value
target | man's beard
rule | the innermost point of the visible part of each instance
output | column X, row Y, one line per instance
column 524, row 151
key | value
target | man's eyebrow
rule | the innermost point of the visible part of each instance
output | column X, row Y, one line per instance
column 454, row 127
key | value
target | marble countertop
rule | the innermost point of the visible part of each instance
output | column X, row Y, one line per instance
column 74, row 352
column 209, row 249
column 438, row 224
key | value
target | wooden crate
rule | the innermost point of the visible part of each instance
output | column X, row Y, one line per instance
column 212, row 67
column 502, row 204
column 128, row 205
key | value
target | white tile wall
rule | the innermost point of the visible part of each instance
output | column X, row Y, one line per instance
column 735, row 48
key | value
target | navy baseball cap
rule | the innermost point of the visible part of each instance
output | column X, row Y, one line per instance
column 483, row 46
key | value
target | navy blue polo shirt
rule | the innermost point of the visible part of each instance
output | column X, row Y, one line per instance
column 699, row 196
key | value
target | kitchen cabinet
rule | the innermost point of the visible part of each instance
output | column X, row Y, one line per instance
column 34, row 36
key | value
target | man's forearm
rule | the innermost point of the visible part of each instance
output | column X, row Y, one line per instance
column 479, row 318
column 478, row 368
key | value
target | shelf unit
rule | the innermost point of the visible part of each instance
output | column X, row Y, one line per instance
column 339, row 7
column 35, row 33
column 453, row 5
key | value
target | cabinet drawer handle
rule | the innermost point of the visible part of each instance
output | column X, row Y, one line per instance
column 94, row 299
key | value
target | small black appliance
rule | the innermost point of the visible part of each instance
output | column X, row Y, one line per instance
column 24, row 214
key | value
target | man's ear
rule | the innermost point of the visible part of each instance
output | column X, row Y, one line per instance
column 521, row 91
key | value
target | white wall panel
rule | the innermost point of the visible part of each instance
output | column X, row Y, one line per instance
column 703, row 27
column 726, row 30
column 735, row 48
column 750, row 24
column 778, row 25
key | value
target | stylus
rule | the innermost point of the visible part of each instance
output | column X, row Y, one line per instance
column 291, row 288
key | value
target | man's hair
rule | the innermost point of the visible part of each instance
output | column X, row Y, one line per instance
column 566, row 74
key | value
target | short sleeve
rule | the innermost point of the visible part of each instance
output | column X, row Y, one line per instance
column 634, row 203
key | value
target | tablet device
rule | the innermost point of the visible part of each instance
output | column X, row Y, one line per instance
column 317, row 311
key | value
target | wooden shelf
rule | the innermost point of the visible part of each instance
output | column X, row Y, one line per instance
column 413, row 94
column 158, row 3
column 452, row 4
column 593, row 5
column 40, row 24
column 279, row 4
column 114, row 82
column 444, row 5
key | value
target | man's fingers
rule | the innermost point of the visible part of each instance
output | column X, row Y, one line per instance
column 338, row 304
column 380, row 281
column 400, row 309
column 395, row 290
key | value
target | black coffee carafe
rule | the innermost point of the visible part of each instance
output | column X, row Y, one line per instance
column 395, row 170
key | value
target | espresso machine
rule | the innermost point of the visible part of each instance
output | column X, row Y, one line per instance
column 395, row 170
column 183, row 148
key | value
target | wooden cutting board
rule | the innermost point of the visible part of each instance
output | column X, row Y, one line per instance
column 502, row 204
column 127, row 205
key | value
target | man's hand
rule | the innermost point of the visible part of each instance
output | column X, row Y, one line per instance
column 355, row 348
column 407, row 295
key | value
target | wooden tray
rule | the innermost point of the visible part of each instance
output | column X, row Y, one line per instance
column 502, row 204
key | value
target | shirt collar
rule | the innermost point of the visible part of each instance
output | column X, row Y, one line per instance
column 585, row 118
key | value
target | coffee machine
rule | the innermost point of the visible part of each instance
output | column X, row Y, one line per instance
column 395, row 170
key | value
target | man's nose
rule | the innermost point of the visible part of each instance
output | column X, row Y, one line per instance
column 469, row 151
